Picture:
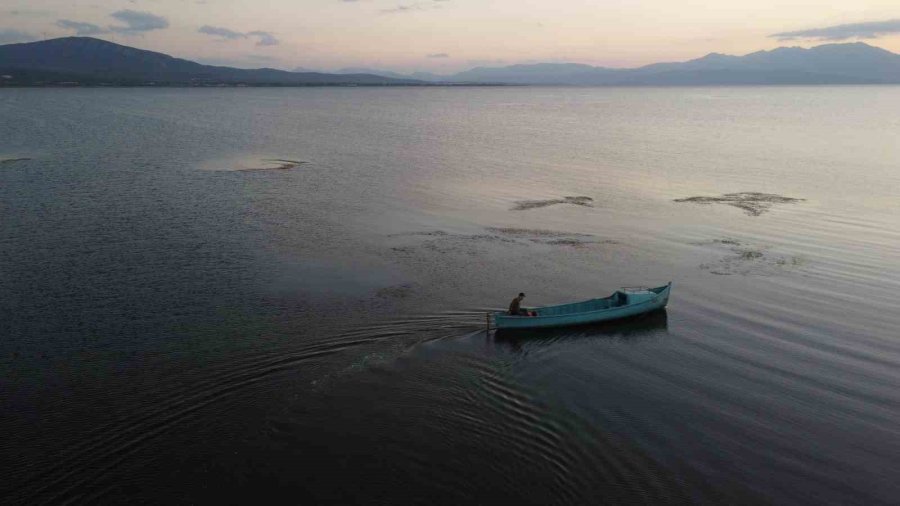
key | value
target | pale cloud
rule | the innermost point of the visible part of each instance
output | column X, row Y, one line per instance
column 437, row 55
column 81, row 28
column 223, row 33
column 870, row 30
column 402, row 8
column 138, row 22
column 135, row 22
column 263, row 38
column 413, row 7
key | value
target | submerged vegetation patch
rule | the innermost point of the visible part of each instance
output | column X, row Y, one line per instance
column 752, row 203
column 273, row 164
column 5, row 161
column 252, row 164
column 575, row 243
column 474, row 244
column 552, row 237
column 747, row 259
column 524, row 205
column 431, row 233
column 419, row 244
column 534, row 232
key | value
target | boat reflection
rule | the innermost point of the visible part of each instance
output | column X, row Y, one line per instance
column 653, row 324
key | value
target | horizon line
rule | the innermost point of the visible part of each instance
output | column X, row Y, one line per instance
column 200, row 60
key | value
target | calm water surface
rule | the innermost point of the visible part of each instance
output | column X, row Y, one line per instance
column 177, row 330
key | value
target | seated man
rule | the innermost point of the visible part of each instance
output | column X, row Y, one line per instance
column 515, row 307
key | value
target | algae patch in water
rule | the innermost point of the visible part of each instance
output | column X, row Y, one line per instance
column 575, row 243
column 414, row 244
column 524, row 205
column 750, row 255
column 6, row 161
column 752, row 203
column 273, row 164
column 552, row 237
column 252, row 164
column 748, row 260
column 534, row 232
column 431, row 233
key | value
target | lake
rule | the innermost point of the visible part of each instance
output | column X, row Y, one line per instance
column 279, row 295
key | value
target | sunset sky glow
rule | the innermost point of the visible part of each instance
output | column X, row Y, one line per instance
column 450, row 35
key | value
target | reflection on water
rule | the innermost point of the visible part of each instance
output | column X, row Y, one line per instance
column 173, row 334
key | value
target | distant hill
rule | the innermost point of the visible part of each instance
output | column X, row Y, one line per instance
column 828, row 64
column 419, row 76
column 86, row 60
column 363, row 70
column 539, row 73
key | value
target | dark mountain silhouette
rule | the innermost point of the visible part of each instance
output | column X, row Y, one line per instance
column 86, row 60
column 420, row 76
column 364, row 70
column 828, row 64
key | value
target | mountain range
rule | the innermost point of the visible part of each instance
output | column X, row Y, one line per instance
column 90, row 61
column 855, row 63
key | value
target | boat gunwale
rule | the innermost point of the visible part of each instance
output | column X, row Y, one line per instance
column 502, row 314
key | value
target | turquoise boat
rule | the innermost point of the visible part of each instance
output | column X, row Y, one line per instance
column 621, row 304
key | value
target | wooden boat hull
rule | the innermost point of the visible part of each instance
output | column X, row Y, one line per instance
column 621, row 304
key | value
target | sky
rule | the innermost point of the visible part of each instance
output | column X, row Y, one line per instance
column 446, row 36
